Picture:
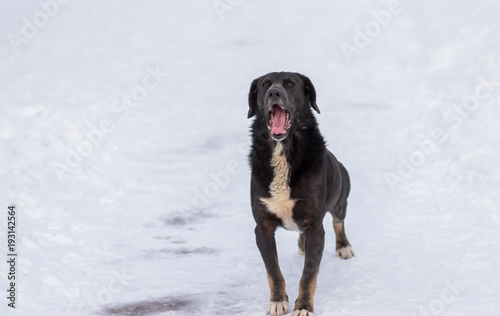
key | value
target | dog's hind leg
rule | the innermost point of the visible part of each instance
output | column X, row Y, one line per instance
column 343, row 247
column 302, row 244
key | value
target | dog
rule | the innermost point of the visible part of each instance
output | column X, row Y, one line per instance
column 295, row 180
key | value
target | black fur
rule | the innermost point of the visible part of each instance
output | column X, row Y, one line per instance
column 317, row 181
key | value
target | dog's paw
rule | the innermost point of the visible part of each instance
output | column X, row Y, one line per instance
column 302, row 312
column 345, row 252
column 277, row 308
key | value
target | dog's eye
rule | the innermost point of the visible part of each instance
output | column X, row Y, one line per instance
column 265, row 84
column 290, row 84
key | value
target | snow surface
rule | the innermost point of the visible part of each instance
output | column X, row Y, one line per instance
column 127, row 229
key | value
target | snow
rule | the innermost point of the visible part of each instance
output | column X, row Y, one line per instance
column 151, row 216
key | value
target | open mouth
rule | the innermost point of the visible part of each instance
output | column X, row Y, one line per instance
column 279, row 121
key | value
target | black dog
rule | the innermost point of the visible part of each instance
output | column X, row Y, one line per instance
column 295, row 181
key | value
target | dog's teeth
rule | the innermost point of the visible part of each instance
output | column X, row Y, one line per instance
column 287, row 115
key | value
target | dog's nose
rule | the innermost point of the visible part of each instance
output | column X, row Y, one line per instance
column 274, row 93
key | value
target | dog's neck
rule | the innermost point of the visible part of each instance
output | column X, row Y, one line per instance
column 303, row 142
column 299, row 145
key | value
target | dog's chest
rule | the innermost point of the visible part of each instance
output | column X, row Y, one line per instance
column 280, row 202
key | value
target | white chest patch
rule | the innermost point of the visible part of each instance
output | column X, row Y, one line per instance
column 280, row 202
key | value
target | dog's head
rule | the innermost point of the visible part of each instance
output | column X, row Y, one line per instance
column 283, row 100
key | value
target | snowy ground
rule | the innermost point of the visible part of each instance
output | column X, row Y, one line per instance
column 128, row 208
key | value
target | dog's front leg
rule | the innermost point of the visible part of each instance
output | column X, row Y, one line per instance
column 314, row 243
column 266, row 243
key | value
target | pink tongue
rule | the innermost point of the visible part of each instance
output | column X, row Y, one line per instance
column 279, row 121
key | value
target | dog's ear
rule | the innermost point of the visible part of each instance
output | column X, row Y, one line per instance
column 252, row 98
column 309, row 92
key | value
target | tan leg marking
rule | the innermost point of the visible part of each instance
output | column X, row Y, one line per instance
column 344, row 249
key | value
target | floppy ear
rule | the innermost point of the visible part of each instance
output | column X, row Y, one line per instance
column 252, row 98
column 310, row 92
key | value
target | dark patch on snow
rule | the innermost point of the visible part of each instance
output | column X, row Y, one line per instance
column 178, row 221
column 203, row 250
column 163, row 237
column 186, row 219
column 173, row 240
column 180, row 252
column 149, row 307
column 178, row 241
